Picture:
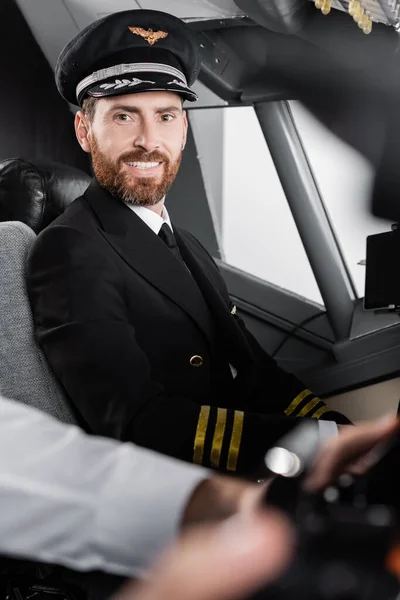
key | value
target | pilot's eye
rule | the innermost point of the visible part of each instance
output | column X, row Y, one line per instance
column 167, row 117
column 122, row 117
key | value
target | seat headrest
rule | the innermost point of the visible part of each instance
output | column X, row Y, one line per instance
column 36, row 193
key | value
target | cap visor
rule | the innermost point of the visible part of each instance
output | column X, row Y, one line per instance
column 134, row 85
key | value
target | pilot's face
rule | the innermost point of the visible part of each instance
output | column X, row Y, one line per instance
column 136, row 142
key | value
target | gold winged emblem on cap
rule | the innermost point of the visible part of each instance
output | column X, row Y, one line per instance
column 149, row 35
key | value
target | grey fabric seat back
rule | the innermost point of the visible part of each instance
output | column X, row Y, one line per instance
column 24, row 372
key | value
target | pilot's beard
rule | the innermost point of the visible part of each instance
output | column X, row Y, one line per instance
column 140, row 191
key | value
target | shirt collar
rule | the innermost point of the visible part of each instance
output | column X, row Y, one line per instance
column 152, row 219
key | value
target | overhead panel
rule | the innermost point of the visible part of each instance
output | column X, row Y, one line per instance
column 51, row 23
column 86, row 11
column 365, row 12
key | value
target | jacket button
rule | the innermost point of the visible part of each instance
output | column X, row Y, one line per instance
column 196, row 361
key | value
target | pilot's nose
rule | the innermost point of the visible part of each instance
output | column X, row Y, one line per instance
column 147, row 138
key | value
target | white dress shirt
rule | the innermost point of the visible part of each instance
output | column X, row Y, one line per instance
column 85, row 502
column 327, row 429
column 151, row 218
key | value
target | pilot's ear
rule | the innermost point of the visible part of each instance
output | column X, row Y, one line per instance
column 82, row 131
column 185, row 122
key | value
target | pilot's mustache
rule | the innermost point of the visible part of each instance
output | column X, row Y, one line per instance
column 142, row 156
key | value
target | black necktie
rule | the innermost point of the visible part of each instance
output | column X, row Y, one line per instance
column 167, row 236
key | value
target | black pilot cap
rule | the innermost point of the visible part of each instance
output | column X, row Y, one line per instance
column 129, row 52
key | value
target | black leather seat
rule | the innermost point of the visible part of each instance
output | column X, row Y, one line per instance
column 32, row 194
column 37, row 192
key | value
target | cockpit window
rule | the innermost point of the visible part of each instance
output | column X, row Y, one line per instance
column 345, row 180
column 257, row 232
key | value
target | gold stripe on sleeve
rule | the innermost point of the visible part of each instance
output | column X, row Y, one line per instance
column 218, row 437
column 309, row 406
column 292, row 406
column 201, row 435
column 320, row 412
column 235, row 440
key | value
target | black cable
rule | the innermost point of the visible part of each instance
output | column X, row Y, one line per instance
column 293, row 331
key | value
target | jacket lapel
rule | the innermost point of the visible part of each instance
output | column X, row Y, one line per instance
column 238, row 348
column 147, row 254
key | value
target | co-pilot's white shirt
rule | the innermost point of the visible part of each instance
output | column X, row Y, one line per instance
column 82, row 501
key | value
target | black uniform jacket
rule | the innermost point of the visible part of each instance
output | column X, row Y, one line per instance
column 143, row 346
